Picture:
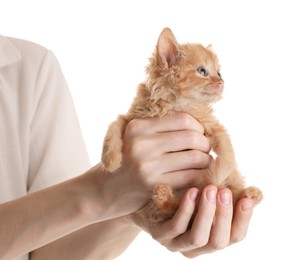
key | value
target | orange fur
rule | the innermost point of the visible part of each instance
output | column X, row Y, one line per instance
column 181, row 78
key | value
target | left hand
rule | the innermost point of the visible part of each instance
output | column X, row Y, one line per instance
column 215, row 226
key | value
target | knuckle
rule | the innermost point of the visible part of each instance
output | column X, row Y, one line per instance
column 197, row 242
column 184, row 120
column 198, row 141
column 238, row 238
column 176, row 229
column 207, row 144
column 218, row 245
column 157, row 236
column 192, row 138
column 133, row 146
column 189, row 254
column 195, row 156
column 172, row 248
column 137, row 146
column 142, row 169
column 134, row 127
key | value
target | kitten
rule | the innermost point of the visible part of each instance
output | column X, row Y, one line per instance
column 180, row 78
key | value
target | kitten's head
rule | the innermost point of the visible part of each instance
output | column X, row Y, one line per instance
column 187, row 73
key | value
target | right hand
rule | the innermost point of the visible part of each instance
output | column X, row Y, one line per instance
column 171, row 149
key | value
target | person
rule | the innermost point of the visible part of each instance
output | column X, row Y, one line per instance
column 54, row 205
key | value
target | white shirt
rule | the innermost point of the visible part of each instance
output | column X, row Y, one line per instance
column 40, row 138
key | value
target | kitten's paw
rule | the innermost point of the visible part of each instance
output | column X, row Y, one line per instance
column 165, row 199
column 111, row 162
column 253, row 193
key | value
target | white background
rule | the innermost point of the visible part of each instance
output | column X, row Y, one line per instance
column 104, row 46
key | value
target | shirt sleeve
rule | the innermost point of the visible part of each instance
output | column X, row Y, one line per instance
column 57, row 150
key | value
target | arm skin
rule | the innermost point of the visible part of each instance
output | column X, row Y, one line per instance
column 40, row 218
column 84, row 217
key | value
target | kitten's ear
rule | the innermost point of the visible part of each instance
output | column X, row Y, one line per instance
column 209, row 47
column 167, row 48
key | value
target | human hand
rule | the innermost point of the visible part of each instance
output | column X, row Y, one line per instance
column 171, row 149
column 215, row 226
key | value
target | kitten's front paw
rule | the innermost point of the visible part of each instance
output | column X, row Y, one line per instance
column 111, row 162
column 253, row 193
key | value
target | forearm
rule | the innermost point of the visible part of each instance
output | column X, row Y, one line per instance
column 105, row 240
column 42, row 217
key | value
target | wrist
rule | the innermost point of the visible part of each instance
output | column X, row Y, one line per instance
column 130, row 220
column 101, row 195
column 86, row 193
column 119, row 194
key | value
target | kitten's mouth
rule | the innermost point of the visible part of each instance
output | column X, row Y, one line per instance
column 220, row 90
column 213, row 91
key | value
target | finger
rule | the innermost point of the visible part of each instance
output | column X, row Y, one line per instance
column 180, row 221
column 221, row 230
column 181, row 140
column 242, row 216
column 169, row 142
column 185, row 160
column 182, row 179
column 162, row 143
column 201, row 228
column 199, row 234
column 176, row 122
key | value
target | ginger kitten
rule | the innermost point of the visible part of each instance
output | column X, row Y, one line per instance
column 180, row 78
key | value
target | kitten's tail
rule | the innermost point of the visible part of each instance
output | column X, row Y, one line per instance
column 219, row 172
column 224, row 174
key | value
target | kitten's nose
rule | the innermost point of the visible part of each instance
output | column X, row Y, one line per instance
column 221, row 83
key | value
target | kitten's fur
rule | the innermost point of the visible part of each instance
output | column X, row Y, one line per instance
column 185, row 78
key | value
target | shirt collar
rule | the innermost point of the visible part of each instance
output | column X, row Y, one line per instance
column 8, row 52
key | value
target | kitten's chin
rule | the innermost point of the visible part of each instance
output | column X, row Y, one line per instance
column 215, row 95
column 220, row 91
column 211, row 97
column 217, row 98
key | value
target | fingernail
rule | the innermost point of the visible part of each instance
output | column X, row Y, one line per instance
column 193, row 195
column 211, row 195
column 225, row 198
column 247, row 206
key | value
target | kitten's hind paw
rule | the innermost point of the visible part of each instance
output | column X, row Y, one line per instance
column 165, row 199
column 253, row 193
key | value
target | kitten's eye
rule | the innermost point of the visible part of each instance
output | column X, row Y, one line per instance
column 219, row 74
column 202, row 71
